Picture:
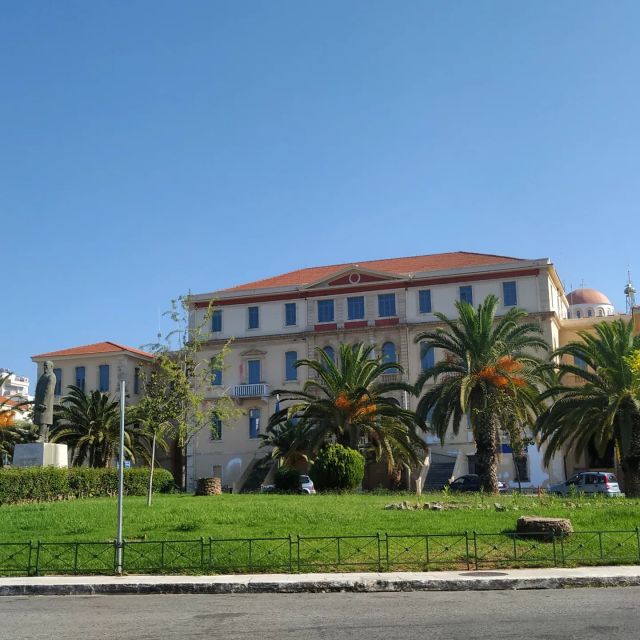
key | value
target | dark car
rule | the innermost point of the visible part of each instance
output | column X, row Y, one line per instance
column 471, row 482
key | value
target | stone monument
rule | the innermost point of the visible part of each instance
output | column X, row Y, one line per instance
column 42, row 453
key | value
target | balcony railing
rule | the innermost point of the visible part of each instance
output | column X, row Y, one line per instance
column 259, row 390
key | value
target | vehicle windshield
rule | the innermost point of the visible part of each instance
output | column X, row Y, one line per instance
column 305, row 479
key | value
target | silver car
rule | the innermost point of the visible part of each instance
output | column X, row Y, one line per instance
column 589, row 482
column 306, row 485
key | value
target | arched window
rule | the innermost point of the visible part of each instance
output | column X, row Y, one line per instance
column 329, row 350
column 569, row 315
column 578, row 314
column 590, row 313
column 389, row 355
column 600, row 313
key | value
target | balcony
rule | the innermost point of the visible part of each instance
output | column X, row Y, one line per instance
column 259, row 390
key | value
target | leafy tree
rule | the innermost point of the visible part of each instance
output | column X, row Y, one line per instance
column 287, row 479
column 337, row 468
column 347, row 400
column 13, row 430
column 89, row 424
column 177, row 396
column 489, row 373
column 605, row 405
column 288, row 440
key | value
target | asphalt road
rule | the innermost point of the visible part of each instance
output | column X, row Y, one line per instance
column 585, row 614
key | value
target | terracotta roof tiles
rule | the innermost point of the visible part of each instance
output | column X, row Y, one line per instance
column 96, row 348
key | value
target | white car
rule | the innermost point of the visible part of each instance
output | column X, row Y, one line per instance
column 590, row 482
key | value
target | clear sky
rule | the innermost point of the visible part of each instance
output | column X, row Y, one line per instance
column 151, row 147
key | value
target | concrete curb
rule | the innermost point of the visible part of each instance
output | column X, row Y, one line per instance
column 324, row 583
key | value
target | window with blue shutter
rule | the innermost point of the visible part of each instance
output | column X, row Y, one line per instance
column 466, row 294
column 509, row 294
column 386, row 305
column 80, row 378
column 290, row 359
column 254, row 317
column 58, row 389
column 424, row 299
column 216, row 374
column 103, row 380
column 329, row 350
column 325, row 311
column 254, row 373
column 216, row 321
column 254, row 423
column 389, row 354
column 216, row 428
column 136, row 380
column 355, row 308
column 580, row 363
column 290, row 314
column 427, row 356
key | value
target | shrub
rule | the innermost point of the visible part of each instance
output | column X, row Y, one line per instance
column 287, row 479
column 43, row 484
column 337, row 467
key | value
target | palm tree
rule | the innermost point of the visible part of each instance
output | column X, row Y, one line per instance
column 13, row 432
column 605, row 407
column 288, row 440
column 489, row 373
column 90, row 425
column 348, row 399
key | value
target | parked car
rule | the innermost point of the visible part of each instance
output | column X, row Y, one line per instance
column 471, row 482
column 306, row 486
column 590, row 482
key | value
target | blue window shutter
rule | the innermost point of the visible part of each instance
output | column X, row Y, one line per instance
column 136, row 380
column 389, row 354
column 254, row 423
column 355, row 308
column 509, row 294
column 58, row 388
column 425, row 301
column 580, row 363
column 427, row 356
column 254, row 372
column 216, row 321
column 386, row 305
column 325, row 311
column 80, row 378
column 466, row 294
column 104, row 377
column 254, row 317
column 216, row 374
column 291, row 357
column 216, row 431
column 290, row 313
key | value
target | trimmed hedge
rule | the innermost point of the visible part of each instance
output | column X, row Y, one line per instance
column 287, row 479
column 43, row 484
column 337, row 468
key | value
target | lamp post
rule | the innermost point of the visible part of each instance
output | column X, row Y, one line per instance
column 120, row 482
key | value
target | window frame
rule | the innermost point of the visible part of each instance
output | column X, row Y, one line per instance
column 287, row 307
column 420, row 300
column 294, row 369
column 250, row 312
column 325, row 304
column 216, row 319
column 382, row 298
column 466, row 287
column 515, row 293
column 253, row 417
column 353, row 299
column 101, row 368
column 82, row 386
column 57, row 372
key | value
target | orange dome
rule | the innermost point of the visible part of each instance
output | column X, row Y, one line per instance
column 587, row 296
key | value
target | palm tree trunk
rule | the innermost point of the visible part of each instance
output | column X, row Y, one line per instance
column 486, row 436
column 153, row 460
column 631, row 469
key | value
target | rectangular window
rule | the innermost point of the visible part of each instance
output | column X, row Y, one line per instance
column 521, row 470
column 254, row 423
column 427, row 356
column 216, row 321
column 290, row 313
column 136, row 380
column 216, row 374
column 254, row 317
column 355, row 308
column 58, row 374
column 580, row 363
column 509, row 294
column 290, row 359
column 254, row 373
column 216, row 429
column 466, row 294
column 325, row 311
column 386, row 305
column 103, row 381
column 80, row 378
column 424, row 299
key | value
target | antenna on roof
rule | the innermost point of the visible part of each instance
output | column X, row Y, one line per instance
column 630, row 293
column 582, row 283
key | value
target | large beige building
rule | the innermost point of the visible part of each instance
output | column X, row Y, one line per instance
column 387, row 303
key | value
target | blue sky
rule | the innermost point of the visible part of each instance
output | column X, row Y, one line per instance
column 153, row 147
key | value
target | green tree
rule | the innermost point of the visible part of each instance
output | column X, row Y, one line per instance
column 288, row 440
column 489, row 373
column 89, row 424
column 604, row 406
column 338, row 468
column 349, row 399
column 183, row 379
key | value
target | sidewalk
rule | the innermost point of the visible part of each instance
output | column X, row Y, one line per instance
column 620, row 576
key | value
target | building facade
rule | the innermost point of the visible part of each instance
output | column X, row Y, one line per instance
column 14, row 385
column 386, row 303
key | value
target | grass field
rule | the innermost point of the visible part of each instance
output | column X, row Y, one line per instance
column 174, row 517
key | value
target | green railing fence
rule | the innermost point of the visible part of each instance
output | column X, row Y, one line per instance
column 378, row 552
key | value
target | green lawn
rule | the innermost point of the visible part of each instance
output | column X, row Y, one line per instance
column 243, row 516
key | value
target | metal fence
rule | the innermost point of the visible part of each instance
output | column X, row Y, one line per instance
column 378, row 552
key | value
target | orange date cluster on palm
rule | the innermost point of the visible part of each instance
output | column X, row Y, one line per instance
column 358, row 408
column 502, row 374
column 7, row 419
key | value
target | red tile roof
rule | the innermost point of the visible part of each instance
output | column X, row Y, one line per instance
column 98, row 347
column 396, row 266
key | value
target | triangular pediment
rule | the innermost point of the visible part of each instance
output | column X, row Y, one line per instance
column 253, row 353
column 353, row 276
